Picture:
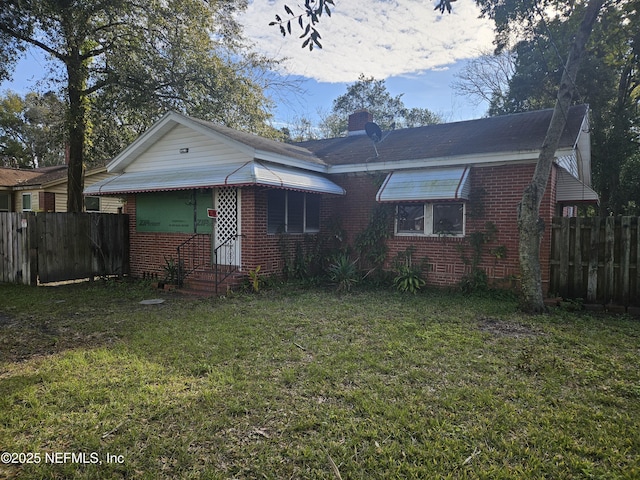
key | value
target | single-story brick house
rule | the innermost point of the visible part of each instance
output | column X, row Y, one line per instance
column 443, row 183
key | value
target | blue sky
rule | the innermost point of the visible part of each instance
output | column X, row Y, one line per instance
column 416, row 50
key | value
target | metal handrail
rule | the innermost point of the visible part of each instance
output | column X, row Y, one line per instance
column 197, row 258
column 229, row 271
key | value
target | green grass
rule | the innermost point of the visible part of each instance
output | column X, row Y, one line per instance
column 311, row 384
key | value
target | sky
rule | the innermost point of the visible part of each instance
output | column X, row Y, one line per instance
column 416, row 50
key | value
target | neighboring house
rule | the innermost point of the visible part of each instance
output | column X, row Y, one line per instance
column 9, row 179
column 45, row 190
column 443, row 183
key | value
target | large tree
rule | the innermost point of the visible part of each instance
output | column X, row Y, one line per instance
column 508, row 14
column 31, row 130
column 388, row 111
column 529, row 225
column 178, row 52
column 608, row 80
column 486, row 78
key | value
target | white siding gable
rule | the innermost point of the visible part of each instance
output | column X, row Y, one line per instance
column 203, row 150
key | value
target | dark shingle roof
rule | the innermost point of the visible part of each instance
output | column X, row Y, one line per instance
column 261, row 143
column 521, row 132
column 48, row 174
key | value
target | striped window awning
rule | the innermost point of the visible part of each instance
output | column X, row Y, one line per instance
column 248, row 173
column 426, row 185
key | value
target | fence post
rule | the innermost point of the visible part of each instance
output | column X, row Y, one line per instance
column 578, row 289
column 637, row 294
column 609, row 258
column 33, row 249
column 625, row 254
column 565, row 235
column 594, row 244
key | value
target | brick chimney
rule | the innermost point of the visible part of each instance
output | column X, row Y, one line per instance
column 357, row 121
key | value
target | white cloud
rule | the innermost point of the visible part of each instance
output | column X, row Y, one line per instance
column 381, row 38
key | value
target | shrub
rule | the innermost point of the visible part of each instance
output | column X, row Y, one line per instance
column 343, row 272
column 409, row 275
column 409, row 279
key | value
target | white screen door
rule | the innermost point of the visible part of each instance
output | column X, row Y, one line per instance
column 227, row 225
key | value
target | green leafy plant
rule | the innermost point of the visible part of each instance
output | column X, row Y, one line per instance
column 474, row 281
column 255, row 278
column 409, row 279
column 344, row 272
column 477, row 279
column 371, row 242
column 173, row 271
column 302, row 259
column 409, row 275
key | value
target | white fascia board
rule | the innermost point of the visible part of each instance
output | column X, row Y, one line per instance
column 290, row 162
column 583, row 147
column 584, row 128
column 504, row 158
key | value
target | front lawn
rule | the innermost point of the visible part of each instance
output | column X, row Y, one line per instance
column 310, row 384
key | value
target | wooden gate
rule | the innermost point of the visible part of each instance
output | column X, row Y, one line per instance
column 53, row 247
column 596, row 259
column 18, row 263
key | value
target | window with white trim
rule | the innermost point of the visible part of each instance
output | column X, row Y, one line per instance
column 292, row 212
column 447, row 218
column 26, row 202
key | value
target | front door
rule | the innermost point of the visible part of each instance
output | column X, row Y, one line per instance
column 226, row 227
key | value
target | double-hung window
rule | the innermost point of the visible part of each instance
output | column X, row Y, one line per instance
column 292, row 212
column 26, row 202
column 430, row 219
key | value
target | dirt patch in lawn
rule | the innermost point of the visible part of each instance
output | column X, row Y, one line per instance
column 4, row 319
column 505, row 328
column 29, row 336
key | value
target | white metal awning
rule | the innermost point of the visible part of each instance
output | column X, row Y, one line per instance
column 249, row 173
column 426, row 184
column 570, row 189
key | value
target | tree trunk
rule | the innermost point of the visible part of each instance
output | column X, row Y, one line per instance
column 530, row 225
column 76, row 128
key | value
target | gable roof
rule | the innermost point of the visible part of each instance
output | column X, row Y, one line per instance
column 508, row 138
column 521, row 133
column 254, row 146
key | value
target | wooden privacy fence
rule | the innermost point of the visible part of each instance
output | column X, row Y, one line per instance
column 53, row 247
column 596, row 259
column 16, row 260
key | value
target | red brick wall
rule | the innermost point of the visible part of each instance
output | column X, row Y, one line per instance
column 149, row 251
column 497, row 190
column 265, row 250
column 501, row 190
